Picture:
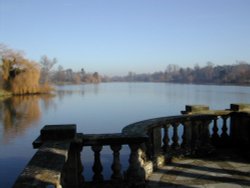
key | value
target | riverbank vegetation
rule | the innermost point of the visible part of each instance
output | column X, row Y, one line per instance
column 19, row 75
column 238, row 74
column 4, row 94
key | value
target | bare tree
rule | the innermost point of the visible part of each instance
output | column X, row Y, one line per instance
column 7, row 53
column 46, row 66
column 19, row 75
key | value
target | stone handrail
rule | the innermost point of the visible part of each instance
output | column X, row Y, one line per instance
column 143, row 127
column 57, row 163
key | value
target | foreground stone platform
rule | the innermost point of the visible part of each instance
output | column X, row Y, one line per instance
column 222, row 170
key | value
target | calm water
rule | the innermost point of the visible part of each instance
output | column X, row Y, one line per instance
column 102, row 108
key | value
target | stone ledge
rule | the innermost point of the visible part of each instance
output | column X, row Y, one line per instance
column 46, row 166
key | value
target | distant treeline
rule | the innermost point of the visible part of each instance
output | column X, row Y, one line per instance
column 68, row 76
column 19, row 75
column 238, row 73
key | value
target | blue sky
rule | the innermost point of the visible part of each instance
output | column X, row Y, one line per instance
column 117, row 36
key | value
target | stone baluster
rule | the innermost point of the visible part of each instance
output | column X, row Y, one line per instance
column 224, row 135
column 205, row 136
column 135, row 174
column 224, row 127
column 186, row 137
column 175, row 137
column 166, row 139
column 116, row 166
column 195, row 137
column 215, row 135
column 97, row 167
column 80, row 165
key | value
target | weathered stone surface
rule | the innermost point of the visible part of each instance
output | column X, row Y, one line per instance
column 46, row 166
column 148, row 168
column 195, row 108
column 203, row 109
column 160, row 161
column 207, row 172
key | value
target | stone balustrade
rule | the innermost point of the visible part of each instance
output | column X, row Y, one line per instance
column 198, row 131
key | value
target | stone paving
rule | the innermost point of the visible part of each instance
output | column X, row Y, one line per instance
column 220, row 171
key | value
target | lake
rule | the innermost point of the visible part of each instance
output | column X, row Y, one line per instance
column 100, row 108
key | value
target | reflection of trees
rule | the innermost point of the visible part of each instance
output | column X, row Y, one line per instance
column 19, row 113
column 62, row 93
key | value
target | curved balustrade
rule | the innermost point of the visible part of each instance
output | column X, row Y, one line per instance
column 183, row 135
column 151, row 143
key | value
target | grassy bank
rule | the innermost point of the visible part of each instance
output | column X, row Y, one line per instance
column 4, row 94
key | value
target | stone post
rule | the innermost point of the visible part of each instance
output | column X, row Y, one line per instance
column 55, row 164
column 240, row 129
column 73, row 166
column 186, row 137
column 190, row 109
column 156, row 141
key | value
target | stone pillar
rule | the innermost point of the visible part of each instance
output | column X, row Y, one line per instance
column 186, row 137
column 156, row 141
column 240, row 129
column 73, row 167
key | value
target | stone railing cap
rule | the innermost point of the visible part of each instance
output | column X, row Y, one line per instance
column 240, row 107
column 58, row 132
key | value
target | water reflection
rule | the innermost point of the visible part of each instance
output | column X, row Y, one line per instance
column 19, row 113
column 69, row 90
column 62, row 93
